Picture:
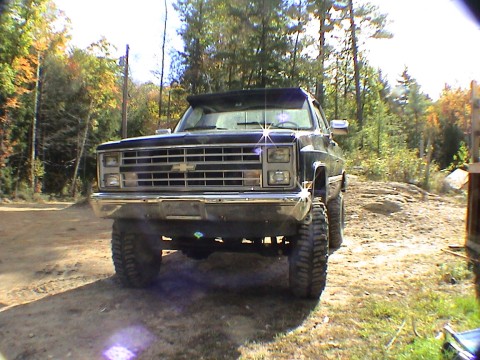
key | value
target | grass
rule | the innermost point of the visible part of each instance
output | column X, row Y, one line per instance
column 412, row 328
column 382, row 326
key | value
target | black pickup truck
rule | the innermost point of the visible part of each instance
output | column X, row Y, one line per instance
column 243, row 171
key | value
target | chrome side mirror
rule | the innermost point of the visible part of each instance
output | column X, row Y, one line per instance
column 339, row 127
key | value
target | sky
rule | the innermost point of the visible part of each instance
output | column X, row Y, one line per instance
column 438, row 40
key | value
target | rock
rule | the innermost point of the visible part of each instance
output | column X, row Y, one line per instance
column 456, row 180
column 383, row 206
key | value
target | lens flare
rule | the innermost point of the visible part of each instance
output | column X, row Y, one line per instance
column 257, row 150
column 118, row 352
column 128, row 343
column 283, row 117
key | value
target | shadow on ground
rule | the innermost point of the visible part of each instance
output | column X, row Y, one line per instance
column 196, row 309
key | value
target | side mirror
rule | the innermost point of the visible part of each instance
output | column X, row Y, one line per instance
column 339, row 127
column 163, row 131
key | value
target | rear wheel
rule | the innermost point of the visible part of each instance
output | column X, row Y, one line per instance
column 336, row 221
column 136, row 263
column 309, row 257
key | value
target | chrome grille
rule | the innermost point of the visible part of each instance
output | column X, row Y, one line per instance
column 202, row 167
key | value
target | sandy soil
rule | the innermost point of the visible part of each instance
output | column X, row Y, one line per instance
column 59, row 298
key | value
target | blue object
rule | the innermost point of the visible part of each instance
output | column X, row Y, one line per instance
column 466, row 345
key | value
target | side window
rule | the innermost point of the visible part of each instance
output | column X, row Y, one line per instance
column 322, row 123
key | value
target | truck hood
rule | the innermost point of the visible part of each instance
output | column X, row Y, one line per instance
column 210, row 137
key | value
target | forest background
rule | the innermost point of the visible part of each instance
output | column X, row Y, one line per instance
column 58, row 101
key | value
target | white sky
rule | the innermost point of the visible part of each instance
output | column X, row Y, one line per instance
column 437, row 39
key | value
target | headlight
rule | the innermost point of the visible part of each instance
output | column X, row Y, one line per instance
column 111, row 160
column 279, row 177
column 278, row 155
column 112, row 180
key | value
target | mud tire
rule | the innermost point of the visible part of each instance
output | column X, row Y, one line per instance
column 336, row 221
column 136, row 264
column 309, row 257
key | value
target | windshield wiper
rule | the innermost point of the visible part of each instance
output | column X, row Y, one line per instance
column 205, row 127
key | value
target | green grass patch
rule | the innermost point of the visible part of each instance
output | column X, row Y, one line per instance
column 405, row 325
column 411, row 328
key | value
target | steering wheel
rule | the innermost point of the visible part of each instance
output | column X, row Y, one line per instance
column 280, row 124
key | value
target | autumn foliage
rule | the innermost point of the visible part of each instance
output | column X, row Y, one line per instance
column 58, row 102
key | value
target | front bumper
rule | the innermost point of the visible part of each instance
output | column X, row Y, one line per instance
column 244, row 207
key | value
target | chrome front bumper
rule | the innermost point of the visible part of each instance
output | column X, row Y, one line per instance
column 248, row 207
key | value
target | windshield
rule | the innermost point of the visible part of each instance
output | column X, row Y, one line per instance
column 203, row 117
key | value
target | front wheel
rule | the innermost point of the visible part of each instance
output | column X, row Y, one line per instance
column 309, row 257
column 136, row 263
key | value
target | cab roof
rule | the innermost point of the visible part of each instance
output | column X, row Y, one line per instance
column 241, row 99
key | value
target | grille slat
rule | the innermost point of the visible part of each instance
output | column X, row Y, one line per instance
column 196, row 167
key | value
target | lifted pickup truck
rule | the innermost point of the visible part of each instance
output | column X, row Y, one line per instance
column 243, row 171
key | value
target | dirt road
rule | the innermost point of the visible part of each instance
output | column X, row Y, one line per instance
column 59, row 298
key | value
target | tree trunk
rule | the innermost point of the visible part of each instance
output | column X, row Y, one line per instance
column 73, row 188
column 320, row 91
column 337, row 81
column 356, row 65
column 428, row 161
column 34, row 125
column 297, row 39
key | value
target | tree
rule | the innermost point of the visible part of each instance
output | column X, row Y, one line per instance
column 453, row 111
column 196, row 36
column 96, row 77
column 81, row 108
column 27, row 34
column 322, row 10
column 411, row 105
column 235, row 45
column 372, row 24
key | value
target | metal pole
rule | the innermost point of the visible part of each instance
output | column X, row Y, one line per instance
column 125, row 96
column 160, row 96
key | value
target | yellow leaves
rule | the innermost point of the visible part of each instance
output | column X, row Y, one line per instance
column 432, row 119
column 25, row 70
column 24, row 74
column 455, row 108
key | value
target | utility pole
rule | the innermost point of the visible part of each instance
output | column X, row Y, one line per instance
column 125, row 94
column 160, row 97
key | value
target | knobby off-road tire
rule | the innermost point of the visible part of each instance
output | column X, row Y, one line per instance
column 309, row 257
column 136, row 264
column 336, row 221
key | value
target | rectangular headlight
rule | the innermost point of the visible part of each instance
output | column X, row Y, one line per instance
column 112, row 180
column 279, row 177
column 111, row 159
column 278, row 155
